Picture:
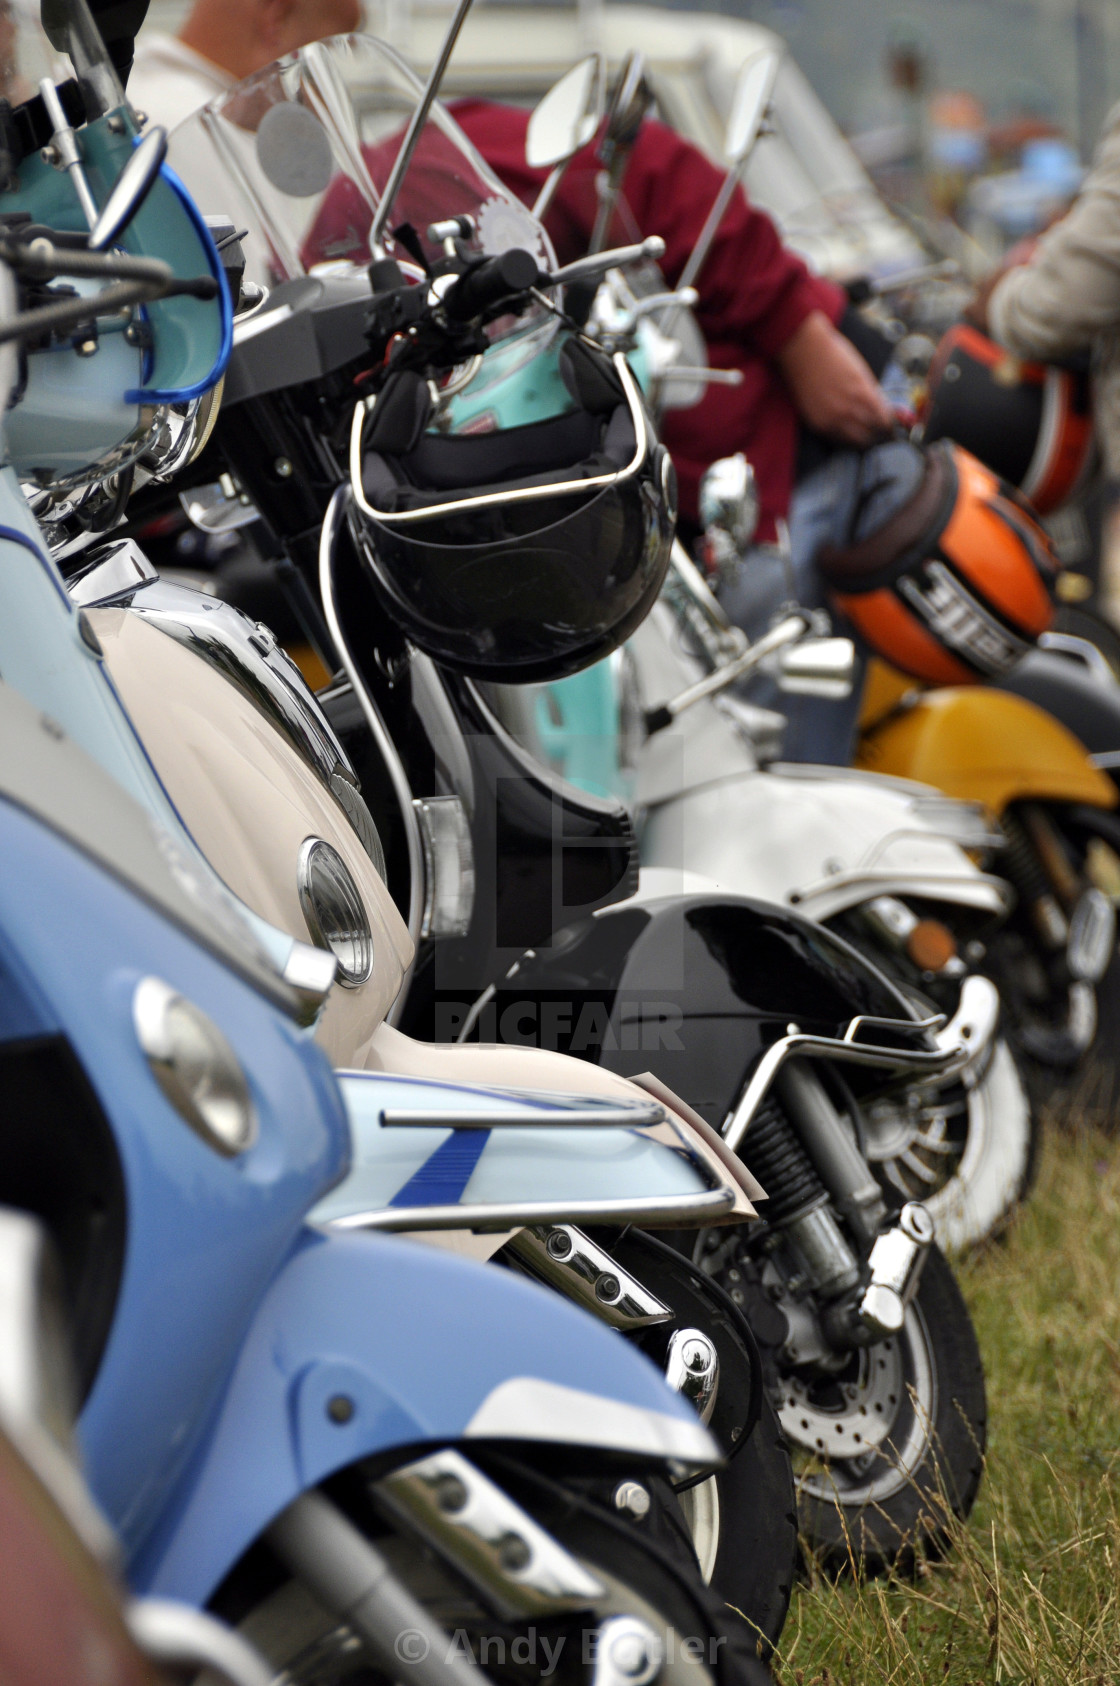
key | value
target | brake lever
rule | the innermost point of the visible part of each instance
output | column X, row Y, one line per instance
column 598, row 263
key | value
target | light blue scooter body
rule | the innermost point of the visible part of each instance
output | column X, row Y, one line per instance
column 423, row 1348
column 403, row 1166
column 235, row 1325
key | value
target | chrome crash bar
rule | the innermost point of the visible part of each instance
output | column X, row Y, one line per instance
column 960, row 1043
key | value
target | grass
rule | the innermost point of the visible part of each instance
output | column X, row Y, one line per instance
column 1031, row 1591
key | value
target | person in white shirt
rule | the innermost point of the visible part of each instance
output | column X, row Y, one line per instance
column 223, row 41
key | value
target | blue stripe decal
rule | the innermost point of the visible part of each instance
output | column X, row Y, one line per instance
column 440, row 1181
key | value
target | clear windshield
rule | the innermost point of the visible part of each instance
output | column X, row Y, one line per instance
column 299, row 154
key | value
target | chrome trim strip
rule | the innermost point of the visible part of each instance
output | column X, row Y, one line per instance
column 558, row 488
column 518, row 1567
column 498, row 1216
column 629, row 1117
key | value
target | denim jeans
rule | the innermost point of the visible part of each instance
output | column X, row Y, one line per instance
column 823, row 510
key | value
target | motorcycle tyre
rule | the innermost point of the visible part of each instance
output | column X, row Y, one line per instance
column 292, row 1630
column 756, row 1556
column 894, row 1531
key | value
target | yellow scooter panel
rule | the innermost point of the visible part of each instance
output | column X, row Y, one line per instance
column 984, row 746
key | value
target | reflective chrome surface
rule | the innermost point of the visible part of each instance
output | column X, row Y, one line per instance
column 195, row 1067
column 246, row 653
column 692, row 1368
column 516, row 1565
column 334, row 910
column 568, row 1261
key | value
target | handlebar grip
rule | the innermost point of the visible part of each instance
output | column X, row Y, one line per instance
column 489, row 282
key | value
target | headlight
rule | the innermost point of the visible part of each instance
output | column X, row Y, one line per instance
column 332, row 906
column 195, row 1067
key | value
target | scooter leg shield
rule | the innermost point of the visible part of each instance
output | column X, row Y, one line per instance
column 363, row 1345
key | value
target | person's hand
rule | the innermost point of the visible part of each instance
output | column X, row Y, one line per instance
column 832, row 387
column 976, row 311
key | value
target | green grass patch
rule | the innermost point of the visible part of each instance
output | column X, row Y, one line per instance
column 1031, row 1590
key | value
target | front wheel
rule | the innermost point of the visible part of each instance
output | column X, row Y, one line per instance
column 306, row 1645
column 889, row 1449
column 742, row 1520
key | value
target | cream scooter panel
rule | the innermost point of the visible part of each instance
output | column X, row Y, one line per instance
column 251, row 804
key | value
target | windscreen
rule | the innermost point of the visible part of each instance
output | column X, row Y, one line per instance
column 299, row 154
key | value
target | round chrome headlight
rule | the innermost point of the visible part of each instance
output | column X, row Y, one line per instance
column 333, row 908
column 195, row 1067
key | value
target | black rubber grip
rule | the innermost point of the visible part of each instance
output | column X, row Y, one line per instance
column 489, row 282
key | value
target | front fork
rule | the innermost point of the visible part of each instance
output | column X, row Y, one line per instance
column 843, row 1275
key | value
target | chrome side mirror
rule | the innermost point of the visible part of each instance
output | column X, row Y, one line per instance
column 750, row 102
column 818, row 667
column 567, row 117
column 729, row 504
column 130, row 189
column 631, row 100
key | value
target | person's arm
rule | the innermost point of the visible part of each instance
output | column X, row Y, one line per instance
column 1057, row 304
column 833, row 389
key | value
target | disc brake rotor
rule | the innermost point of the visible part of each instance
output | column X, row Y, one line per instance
column 870, row 1428
column 845, row 1417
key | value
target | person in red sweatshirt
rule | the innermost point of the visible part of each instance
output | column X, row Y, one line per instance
column 760, row 310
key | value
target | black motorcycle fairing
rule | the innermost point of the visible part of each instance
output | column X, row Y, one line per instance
column 1066, row 689
column 694, row 988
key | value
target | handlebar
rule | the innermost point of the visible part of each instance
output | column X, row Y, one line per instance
column 489, row 282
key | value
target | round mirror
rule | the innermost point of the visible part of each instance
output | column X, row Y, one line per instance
column 293, row 150
column 130, row 189
column 567, row 116
column 753, row 92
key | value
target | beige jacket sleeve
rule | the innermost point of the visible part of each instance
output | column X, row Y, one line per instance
column 1069, row 293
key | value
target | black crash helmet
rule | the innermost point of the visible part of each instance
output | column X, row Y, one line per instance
column 523, row 553
column 1031, row 424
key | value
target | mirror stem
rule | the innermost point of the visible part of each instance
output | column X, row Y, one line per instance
column 66, row 145
column 416, row 123
column 547, row 194
column 711, row 227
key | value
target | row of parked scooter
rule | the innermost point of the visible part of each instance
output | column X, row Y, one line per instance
column 290, row 976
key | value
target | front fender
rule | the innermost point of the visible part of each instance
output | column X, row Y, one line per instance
column 985, row 746
column 692, row 987
column 408, row 1346
column 817, row 839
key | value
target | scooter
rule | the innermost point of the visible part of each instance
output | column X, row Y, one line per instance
column 206, row 1303
column 1055, row 807
column 883, row 861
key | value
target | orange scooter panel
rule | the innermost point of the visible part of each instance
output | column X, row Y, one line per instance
column 985, row 746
